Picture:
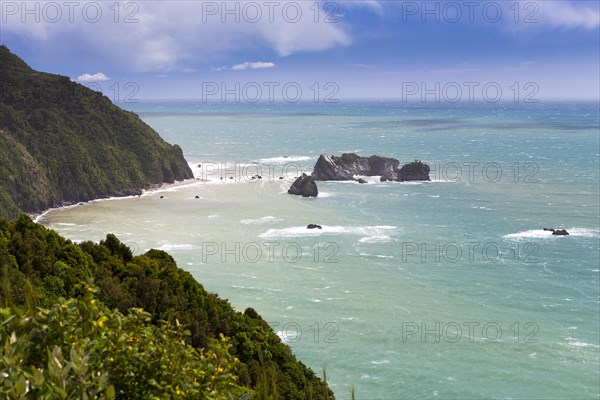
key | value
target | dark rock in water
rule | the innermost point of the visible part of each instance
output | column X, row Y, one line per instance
column 162, row 197
column 80, row 204
column 259, row 177
column 304, row 186
column 197, row 197
column 231, row 177
column 332, row 168
column 414, row 171
column 360, row 180
column 314, row 226
column 281, row 177
column 557, row 232
column 199, row 165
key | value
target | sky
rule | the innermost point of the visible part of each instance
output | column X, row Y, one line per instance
column 508, row 50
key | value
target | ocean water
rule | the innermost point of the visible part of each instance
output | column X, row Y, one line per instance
column 448, row 289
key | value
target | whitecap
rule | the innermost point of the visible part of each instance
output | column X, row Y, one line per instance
column 302, row 231
column 369, row 179
column 263, row 220
column 542, row 234
column 375, row 239
column 283, row 159
column 577, row 343
column 170, row 247
column 289, row 336
column 381, row 362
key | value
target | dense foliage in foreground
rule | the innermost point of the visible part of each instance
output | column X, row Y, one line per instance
column 39, row 269
column 79, row 349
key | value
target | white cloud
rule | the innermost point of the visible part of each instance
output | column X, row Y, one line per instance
column 176, row 34
column 98, row 76
column 374, row 5
column 253, row 65
column 569, row 14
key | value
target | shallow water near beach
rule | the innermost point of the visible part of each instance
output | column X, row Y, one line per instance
column 444, row 289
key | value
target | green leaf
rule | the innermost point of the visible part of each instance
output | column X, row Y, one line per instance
column 21, row 386
column 110, row 392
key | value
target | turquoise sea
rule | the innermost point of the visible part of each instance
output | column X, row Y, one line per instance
column 448, row 289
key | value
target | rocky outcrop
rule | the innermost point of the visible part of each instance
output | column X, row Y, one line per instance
column 557, row 232
column 314, row 226
column 304, row 186
column 332, row 168
column 344, row 168
column 414, row 171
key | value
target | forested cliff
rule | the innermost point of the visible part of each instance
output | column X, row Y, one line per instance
column 61, row 143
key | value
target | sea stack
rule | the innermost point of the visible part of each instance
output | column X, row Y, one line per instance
column 304, row 186
column 349, row 165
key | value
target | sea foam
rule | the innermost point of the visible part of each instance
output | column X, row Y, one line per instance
column 542, row 234
column 302, row 231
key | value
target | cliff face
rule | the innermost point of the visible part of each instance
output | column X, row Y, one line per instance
column 62, row 143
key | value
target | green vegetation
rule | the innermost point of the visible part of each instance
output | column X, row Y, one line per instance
column 79, row 349
column 87, row 321
column 61, row 143
column 79, row 346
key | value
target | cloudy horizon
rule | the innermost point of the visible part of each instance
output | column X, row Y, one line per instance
column 359, row 49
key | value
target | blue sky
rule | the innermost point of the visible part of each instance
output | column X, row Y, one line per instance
column 346, row 49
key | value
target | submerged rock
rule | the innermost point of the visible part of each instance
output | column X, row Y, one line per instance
column 304, row 186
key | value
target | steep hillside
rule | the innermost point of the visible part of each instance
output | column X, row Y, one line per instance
column 39, row 269
column 62, row 143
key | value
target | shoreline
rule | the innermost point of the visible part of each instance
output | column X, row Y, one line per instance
column 154, row 188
